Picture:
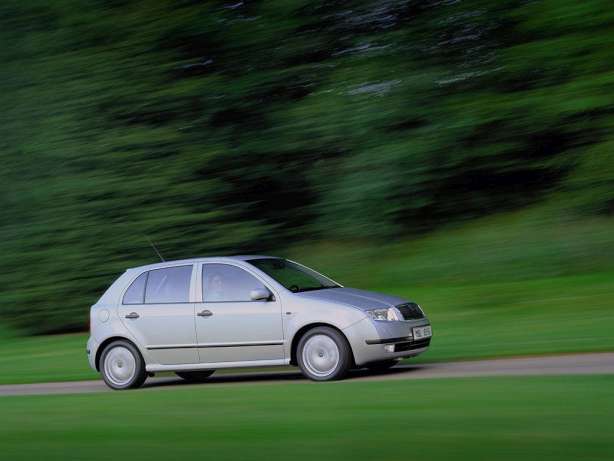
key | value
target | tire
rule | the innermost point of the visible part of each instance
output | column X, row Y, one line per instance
column 122, row 366
column 381, row 366
column 323, row 354
column 195, row 376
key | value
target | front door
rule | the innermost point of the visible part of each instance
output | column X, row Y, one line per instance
column 230, row 327
column 157, row 311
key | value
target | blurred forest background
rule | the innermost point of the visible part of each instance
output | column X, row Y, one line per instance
column 471, row 138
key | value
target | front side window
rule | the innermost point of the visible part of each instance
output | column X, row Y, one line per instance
column 168, row 285
column 294, row 277
column 226, row 283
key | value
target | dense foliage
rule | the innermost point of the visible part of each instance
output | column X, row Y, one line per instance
column 245, row 126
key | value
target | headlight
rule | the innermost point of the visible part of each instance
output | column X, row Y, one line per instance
column 388, row 315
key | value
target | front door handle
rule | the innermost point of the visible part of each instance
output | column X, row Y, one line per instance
column 132, row 315
column 205, row 313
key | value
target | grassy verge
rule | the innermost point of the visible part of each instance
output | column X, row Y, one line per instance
column 554, row 315
column 516, row 284
column 557, row 418
column 44, row 358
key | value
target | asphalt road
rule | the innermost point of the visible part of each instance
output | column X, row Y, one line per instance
column 576, row 364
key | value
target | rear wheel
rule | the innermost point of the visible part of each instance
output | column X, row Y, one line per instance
column 323, row 354
column 381, row 366
column 122, row 366
column 195, row 376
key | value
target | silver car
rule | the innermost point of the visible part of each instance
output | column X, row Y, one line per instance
column 194, row 316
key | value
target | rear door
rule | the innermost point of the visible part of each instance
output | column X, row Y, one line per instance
column 230, row 327
column 156, row 309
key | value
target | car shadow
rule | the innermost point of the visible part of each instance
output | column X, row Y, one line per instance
column 225, row 379
column 397, row 370
column 270, row 377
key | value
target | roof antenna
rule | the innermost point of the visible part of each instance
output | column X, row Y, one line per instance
column 155, row 249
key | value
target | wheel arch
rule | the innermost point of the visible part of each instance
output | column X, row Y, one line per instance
column 304, row 329
column 108, row 341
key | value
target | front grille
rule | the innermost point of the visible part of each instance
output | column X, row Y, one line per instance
column 410, row 346
column 410, row 311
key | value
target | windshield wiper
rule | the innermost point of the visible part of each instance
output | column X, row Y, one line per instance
column 323, row 287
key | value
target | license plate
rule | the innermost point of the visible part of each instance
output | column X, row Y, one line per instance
column 422, row 332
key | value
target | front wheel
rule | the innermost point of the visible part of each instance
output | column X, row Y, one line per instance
column 122, row 366
column 323, row 354
column 195, row 376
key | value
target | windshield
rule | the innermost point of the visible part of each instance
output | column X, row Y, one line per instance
column 294, row 277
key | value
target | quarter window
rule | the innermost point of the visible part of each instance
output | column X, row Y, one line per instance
column 135, row 294
column 226, row 283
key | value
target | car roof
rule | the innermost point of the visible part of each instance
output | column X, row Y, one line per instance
column 217, row 259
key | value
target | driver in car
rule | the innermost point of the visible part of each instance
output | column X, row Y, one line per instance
column 215, row 288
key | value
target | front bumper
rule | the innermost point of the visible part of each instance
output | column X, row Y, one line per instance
column 373, row 341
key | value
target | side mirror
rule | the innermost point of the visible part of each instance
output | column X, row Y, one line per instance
column 260, row 294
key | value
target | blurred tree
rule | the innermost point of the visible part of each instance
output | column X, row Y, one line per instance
column 235, row 126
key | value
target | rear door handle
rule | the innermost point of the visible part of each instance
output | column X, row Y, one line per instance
column 132, row 315
column 205, row 313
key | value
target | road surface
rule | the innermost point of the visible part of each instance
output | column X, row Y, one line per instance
column 576, row 364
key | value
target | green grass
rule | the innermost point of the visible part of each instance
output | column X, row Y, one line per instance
column 547, row 418
column 542, row 316
column 44, row 358
column 516, row 284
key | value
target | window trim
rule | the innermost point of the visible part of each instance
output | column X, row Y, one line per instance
column 191, row 283
column 201, row 292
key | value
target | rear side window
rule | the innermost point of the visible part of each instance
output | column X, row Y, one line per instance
column 168, row 285
column 136, row 293
column 160, row 286
column 226, row 283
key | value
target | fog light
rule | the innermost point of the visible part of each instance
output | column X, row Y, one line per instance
column 389, row 347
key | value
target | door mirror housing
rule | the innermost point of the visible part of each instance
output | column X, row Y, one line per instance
column 260, row 294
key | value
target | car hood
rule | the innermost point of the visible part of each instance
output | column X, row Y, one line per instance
column 360, row 299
